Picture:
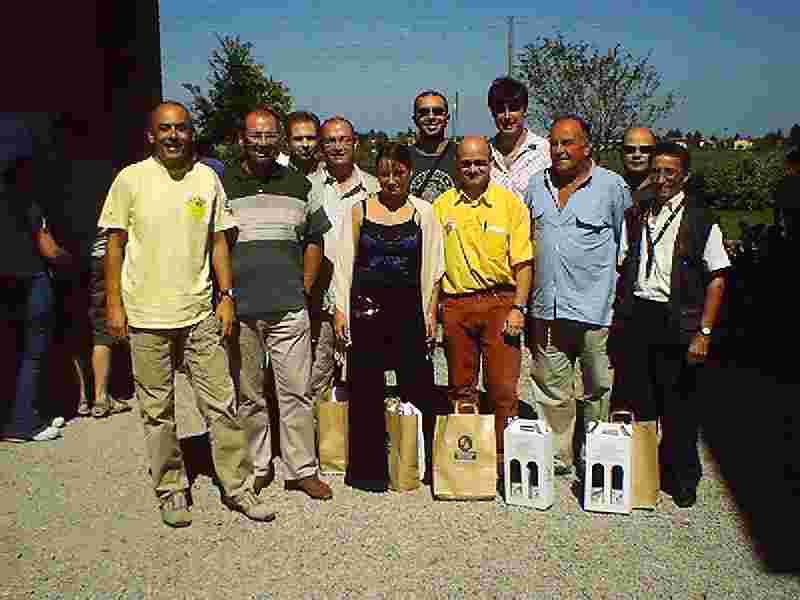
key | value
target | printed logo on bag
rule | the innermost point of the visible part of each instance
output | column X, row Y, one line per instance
column 465, row 453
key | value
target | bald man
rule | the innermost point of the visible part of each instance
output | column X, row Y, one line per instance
column 276, row 262
column 637, row 146
column 167, row 217
column 484, row 291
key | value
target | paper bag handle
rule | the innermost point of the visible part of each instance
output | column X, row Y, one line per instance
column 615, row 416
column 461, row 405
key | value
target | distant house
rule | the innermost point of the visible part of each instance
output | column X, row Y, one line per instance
column 743, row 144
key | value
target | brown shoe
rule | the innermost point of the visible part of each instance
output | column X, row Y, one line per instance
column 263, row 481
column 312, row 485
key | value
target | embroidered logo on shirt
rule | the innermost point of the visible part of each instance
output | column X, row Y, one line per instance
column 196, row 206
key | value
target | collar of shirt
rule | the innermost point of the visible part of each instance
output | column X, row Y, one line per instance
column 670, row 204
column 465, row 199
column 528, row 145
column 330, row 182
column 548, row 180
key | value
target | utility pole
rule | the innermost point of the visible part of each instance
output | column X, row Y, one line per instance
column 510, row 46
column 455, row 117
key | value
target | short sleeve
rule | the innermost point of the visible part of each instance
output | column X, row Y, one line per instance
column 622, row 202
column 117, row 206
column 715, row 255
column 521, row 244
column 224, row 218
column 317, row 222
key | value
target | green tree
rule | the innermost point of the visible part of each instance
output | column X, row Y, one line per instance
column 237, row 84
column 612, row 90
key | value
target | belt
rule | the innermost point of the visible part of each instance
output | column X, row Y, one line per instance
column 492, row 291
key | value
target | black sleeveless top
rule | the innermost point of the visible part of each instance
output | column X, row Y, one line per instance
column 388, row 255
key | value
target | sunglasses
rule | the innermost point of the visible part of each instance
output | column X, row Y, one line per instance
column 480, row 164
column 633, row 149
column 436, row 111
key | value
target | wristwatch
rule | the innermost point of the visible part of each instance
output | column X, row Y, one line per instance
column 230, row 293
column 706, row 331
column 521, row 308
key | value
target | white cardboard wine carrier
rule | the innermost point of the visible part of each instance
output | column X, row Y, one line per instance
column 530, row 443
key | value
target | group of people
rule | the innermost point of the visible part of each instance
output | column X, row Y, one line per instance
column 304, row 267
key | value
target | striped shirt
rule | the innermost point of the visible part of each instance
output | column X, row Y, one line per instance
column 533, row 157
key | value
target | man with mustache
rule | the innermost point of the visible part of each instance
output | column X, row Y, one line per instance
column 433, row 156
column 167, row 218
column 484, row 291
column 577, row 213
column 517, row 153
column 276, row 261
column 339, row 184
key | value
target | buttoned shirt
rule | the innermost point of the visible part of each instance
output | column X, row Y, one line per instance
column 656, row 287
column 577, row 246
column 533, row 157
column 325, row 187
column 484, row 239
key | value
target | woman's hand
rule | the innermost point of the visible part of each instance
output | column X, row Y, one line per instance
column 340, row 327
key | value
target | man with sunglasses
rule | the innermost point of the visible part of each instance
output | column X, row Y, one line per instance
column 433, row 156
column 338, row 184
column 488, row 255
column 517, row 153
column 673, row 282
column 637, row 147
column 275, row 262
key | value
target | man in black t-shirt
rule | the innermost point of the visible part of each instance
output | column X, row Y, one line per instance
column 433, row 156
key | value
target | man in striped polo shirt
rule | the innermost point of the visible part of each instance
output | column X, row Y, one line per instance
column 275, row 262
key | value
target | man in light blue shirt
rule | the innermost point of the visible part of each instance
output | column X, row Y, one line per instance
column 577, row 212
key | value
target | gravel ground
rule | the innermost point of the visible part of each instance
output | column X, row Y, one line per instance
column 77, row 520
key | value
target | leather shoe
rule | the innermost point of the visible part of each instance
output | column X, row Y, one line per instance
column 312, row 485
column 263, row 481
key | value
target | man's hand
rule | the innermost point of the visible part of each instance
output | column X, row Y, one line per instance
column 698, row 349
column 226, row 315
column 340, row 327
column 515, row 321
column 430, row 326
column 116, row 320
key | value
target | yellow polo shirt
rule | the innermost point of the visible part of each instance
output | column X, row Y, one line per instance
column 483, row 239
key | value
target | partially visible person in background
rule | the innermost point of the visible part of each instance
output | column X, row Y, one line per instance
column 26, row 296
column 205, row 153
column 787, row 200
column 637, row 147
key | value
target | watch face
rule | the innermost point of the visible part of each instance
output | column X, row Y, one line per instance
column 706, row 331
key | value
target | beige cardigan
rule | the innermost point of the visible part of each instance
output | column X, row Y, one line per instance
column 431, row 271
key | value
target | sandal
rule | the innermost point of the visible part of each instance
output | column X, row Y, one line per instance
column 102, row 408
column 83, row 408
column 119, row 406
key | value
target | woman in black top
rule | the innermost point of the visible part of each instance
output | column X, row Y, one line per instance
column 388, row 327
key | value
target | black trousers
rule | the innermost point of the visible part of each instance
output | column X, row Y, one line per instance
column 394, row 338
column 661, row 384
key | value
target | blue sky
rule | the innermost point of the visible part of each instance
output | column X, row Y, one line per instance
column 736, row 63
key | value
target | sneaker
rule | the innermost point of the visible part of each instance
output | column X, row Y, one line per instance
column 102, row 408
column 175, row 510
column 251, row 507
column 47, row 434
column 83, row 408
column 58, row 422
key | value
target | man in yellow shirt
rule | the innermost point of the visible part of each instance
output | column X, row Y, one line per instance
column 484, row 291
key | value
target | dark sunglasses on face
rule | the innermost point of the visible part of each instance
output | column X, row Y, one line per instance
column 480, row 164
column 436, row 111
column 643, row 149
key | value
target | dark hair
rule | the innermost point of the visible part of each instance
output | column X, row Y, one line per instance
column 338, row 119
column 394, row 151
column 674, row 150
column 507, row 91
column 302, row 116
column 427, row 93
column 583, row 123
column 793, row 156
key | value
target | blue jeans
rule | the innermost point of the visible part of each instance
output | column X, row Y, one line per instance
column 28, row 304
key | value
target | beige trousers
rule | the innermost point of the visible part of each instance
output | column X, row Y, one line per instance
column 156, row 353
column 285, row 339
column 555, row 347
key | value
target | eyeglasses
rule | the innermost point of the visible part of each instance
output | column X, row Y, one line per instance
column 627, row 149
column 261, row 136
column 480, row 164
column 344, row 140
column 436, row 111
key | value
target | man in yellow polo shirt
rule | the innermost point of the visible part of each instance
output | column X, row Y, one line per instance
column 484, row 292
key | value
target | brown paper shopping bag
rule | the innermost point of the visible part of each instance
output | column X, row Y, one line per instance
column 465, row 457
column 403, row 455
column 332, row 432
column 645, row 474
